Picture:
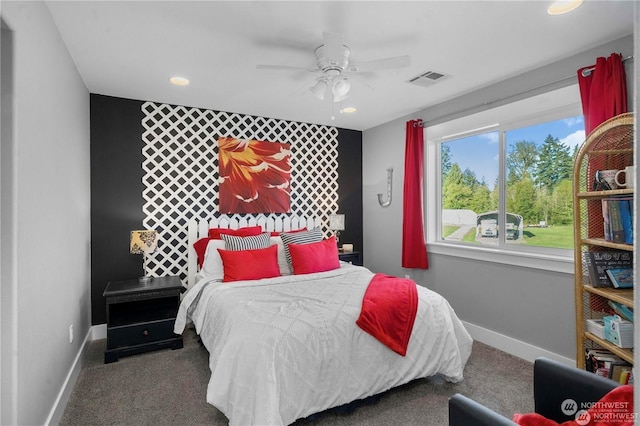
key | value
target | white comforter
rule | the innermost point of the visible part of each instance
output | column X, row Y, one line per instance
column 284, row 348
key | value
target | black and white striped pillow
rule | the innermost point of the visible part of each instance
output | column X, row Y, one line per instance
column 304, row 237
column 232, row 242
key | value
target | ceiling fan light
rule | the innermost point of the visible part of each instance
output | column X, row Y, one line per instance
column 340, row 88
column 319, row 89
column 179, row 81
column 561, row 7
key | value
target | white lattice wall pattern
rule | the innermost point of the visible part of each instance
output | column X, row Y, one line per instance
column 181, row 171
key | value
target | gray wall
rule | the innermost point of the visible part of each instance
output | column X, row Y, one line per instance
column 51, row 206
column 529, row 305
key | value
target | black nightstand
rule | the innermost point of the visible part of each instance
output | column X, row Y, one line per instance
column 354, row 257
column 141, row 316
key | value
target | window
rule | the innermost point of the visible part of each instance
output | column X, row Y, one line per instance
column 502, row 179
column 469, row 188
column 539, row 172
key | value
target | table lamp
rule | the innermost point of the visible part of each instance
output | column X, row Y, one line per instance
column 336, row 223
column 144, row 242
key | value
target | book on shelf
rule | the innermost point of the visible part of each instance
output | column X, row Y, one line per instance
column 626, row 217
column 620, row 372
column 599, row 361
column 622, row 310
column 595, row 326
column 606, row 220
column 626, row 376
column 618, row 219
column 618, row 331
column 621, row 277
column 598, row 262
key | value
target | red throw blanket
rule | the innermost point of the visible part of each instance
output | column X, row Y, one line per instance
column 389, row 309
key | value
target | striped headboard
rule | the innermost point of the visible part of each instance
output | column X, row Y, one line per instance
column 199, row 228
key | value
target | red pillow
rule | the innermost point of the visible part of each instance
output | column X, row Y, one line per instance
column 314, row 257
column 247, row 231
column 250, row 264
column 201, row 248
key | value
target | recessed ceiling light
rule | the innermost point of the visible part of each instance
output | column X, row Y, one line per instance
column 179, row 81
column 348, row 110
column 563, row 6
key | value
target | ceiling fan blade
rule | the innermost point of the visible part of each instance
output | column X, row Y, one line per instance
column 285, row 68
column 381, row 64
column 333, row 45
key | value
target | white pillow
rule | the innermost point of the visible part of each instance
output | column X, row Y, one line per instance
column 212, row 265
column 282, row 256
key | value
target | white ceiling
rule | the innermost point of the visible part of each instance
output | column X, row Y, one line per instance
column 130, row 49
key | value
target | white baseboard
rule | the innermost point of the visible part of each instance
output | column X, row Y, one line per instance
column 513, row 346
column 99, row 332
column 55, row 415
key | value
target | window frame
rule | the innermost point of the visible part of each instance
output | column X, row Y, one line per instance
column 551, row 106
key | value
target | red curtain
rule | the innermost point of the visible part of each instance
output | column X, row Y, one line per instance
column 603, row 91
column 604, row 95
column 414, row 249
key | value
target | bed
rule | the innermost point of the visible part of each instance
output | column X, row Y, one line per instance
column 288, row 346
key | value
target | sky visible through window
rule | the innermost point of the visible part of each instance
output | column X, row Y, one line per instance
column 479, row 153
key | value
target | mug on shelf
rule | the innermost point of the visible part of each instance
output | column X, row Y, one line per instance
column 608, row 176
column 629, row 177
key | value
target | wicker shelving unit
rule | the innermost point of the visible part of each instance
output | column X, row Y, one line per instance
column 609, row 146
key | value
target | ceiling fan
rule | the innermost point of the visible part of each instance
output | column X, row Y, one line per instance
column 333, row 62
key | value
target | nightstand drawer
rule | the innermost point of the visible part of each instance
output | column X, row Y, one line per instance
column 138, row 334
column 353, row 257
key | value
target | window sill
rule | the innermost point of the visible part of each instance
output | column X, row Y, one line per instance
column 547, row 262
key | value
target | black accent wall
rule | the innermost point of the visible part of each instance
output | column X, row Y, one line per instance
column 350, row 186
column 116, row 191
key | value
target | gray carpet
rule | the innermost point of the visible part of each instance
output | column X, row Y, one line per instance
column 168, row 387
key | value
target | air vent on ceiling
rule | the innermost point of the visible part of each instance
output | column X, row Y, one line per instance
column 427, row 78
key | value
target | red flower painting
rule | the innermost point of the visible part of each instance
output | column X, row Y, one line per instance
column 254, row 176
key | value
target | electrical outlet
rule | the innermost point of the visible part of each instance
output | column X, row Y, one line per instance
column 71, row 333
column 407, row 276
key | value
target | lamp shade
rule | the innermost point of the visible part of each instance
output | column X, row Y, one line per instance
column 340, row 87
column 143, row 241
column 336, row 222
column 319, row 89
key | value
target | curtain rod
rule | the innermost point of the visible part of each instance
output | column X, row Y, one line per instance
column 501, row 101
column 570, row 79
column 587, row 71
